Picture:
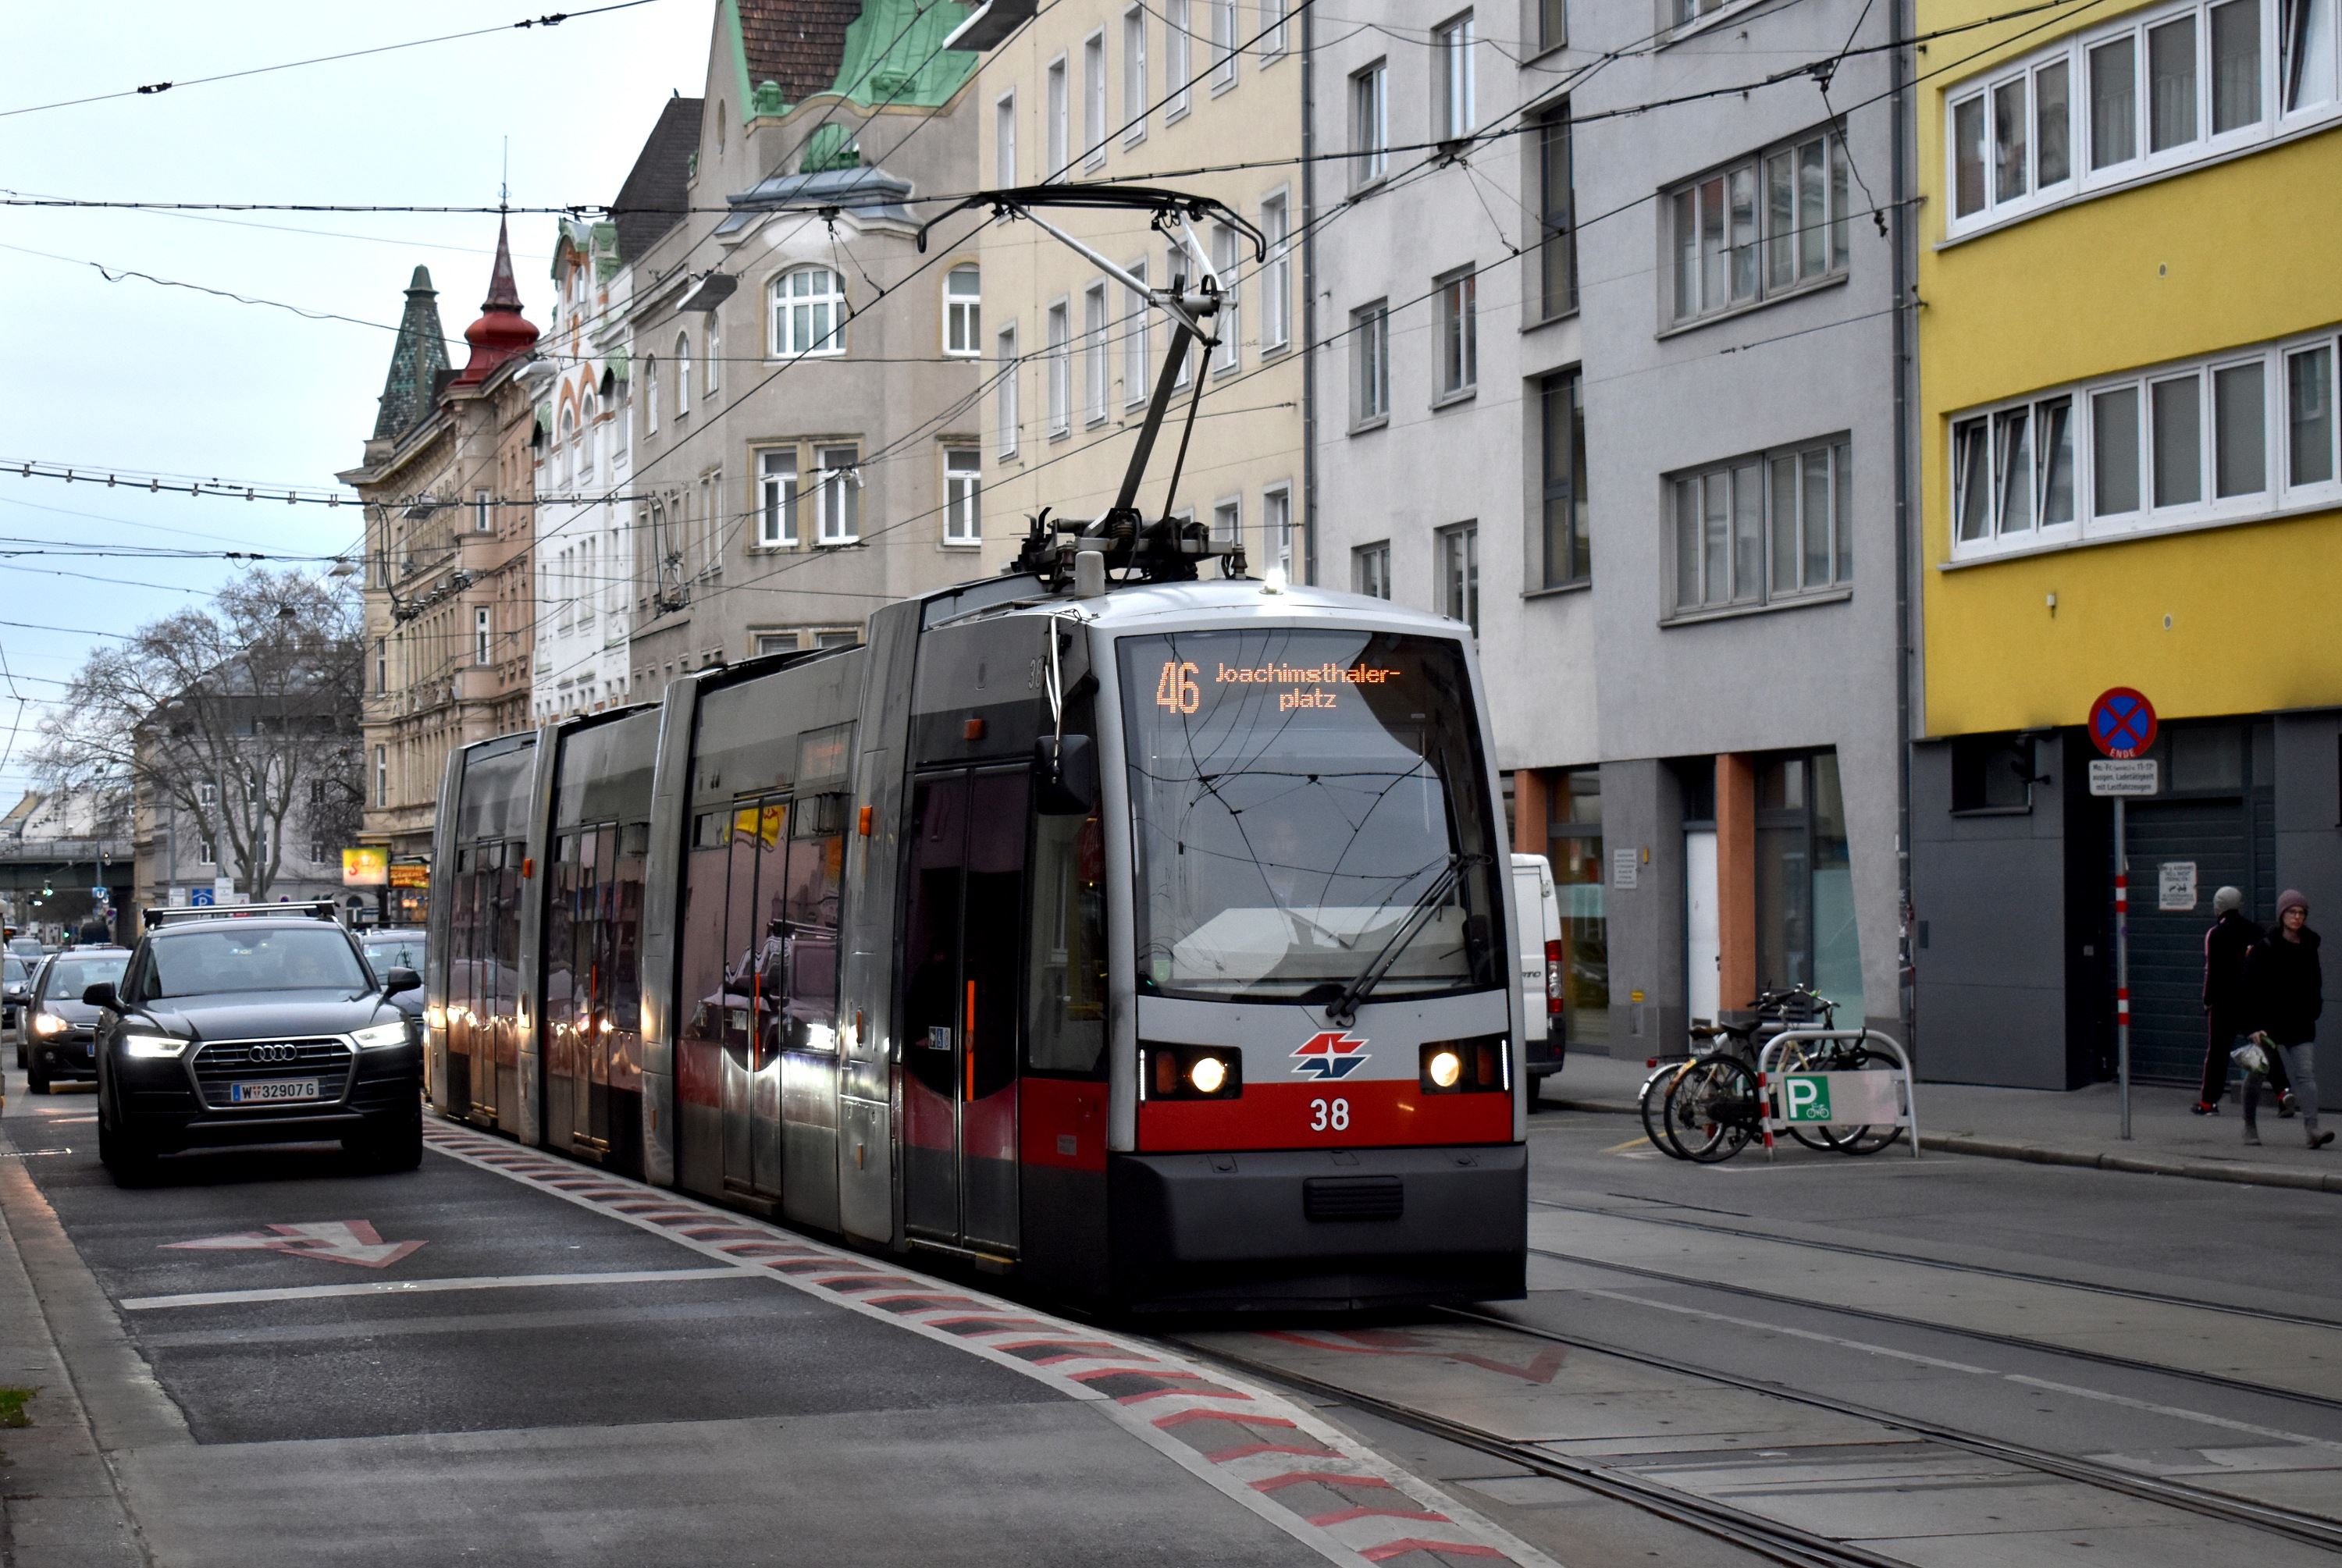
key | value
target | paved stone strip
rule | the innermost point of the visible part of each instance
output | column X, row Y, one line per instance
column 1264, row 1451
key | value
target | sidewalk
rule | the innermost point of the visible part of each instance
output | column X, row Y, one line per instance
column 2079, row 1127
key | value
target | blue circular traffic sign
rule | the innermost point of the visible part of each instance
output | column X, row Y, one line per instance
column 2122, row 723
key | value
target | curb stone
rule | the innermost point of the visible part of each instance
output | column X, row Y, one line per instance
column 2050, row 1154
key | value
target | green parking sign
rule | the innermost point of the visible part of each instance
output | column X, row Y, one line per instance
column 1806, row 1097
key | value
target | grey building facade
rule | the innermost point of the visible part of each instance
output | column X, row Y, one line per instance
column 1611, row 374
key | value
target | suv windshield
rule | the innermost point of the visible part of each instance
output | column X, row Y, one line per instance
column 302, row 958
column 1293, row 794
column 68, row 977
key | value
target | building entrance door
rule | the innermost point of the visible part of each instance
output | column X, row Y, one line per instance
column 1703, row 935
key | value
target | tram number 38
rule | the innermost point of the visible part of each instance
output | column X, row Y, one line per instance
column 1325, row 1114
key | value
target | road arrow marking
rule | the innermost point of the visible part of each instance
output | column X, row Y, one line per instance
column 335, row 1240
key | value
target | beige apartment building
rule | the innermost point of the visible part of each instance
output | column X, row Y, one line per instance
column 1136, row 93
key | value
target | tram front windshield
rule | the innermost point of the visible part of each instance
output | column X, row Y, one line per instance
column 1298, row 797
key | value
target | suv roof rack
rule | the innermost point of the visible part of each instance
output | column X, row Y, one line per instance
column 314, row 908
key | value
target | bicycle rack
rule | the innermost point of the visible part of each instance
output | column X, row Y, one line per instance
column 1907, row 1111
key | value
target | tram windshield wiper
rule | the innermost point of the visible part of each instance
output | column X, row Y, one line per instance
column 1343, row 1010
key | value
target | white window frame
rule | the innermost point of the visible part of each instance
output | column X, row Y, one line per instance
column 1276, row 273
column 1057, row 107
column 207, row 848
column 1058, row 369
column 1279, row 532
column 1224, row 44
column 1004, row 140
column 1135, row 94
column 780, row 306
column 2283, row 491
column 381, row 776
column 1178, row 58
column 1275, row 16
column 1459, row 593
column 650, row 395
column 840, row 495
column 1097, row 371
column 776, row 498
column 1686, row 210
column 964, row 313
column 711, row 379
column 1370, row 382
column 1095, row 116
column 2085, row 176
column 484, row 636
column 1228, row 520
column 1455, row 314
column 1455, row 82
column 1006, row 411
column 683, row 372
column 963, row 497
column 1138, row 367
column 1369, row 125
column 1370, row 570
column 1832, row 456
column 484, row 512
column 1227, row 259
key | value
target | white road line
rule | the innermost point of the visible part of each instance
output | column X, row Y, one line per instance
column 422, row 1287
column 1867, row 1348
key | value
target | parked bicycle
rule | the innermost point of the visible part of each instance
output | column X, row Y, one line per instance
column 1707, row 1107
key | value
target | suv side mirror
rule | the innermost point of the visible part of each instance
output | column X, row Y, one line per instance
column 400, row 979
column 101, row 994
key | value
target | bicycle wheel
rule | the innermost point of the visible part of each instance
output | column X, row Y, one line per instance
column 1711, row 1109
column 1652, row 1101
column 1796, row 1059
column 1863, row 1139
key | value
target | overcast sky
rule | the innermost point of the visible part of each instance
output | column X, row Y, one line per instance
column 134, row 376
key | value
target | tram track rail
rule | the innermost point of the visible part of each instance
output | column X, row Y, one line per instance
column 1882, row 1255
column 2275, row 1518
column 1986, row 1336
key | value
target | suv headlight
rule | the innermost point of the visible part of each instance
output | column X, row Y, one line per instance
column 152, row 1045
column 376, row 1036
column 49, row 1025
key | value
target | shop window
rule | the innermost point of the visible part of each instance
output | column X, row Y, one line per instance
column 1992, row 772
column 1574, row 848
column 1806, row 933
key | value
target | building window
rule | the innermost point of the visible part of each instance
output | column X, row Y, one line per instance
column 808, row 313
column 840, row 493
column 1272, row 28
column 963, row 495
column 591, row 438
column 1227, row 521
column 1763, row 529
column 1992, row 772
column 484, row 512
column 1761, row 227
column 1097, row 380
column 1004, row 141
column 1457, row 329
column 1227, row 256
column 1058, row 129
column 682, row 373
column 1060, row 367
column 1094, row 99
column 1134, row 73
column 1175, row 265
column 1370, row 364
column 1277, row 527
column 1137, row 361
column 776, row 642
column 381, row 665
column 1178, row 58
column 1574, row 849
column 1557, row 204
column 1370, row 125
column 1223, row 43
column 1459, row 574
column 1568, row 540
column 1453, row 111
column 207, row 792
column 381, row 776
column 207, row 850
column 964, row 311
column 714, row 379
column 2162, row 88
column 650, row 396
column 1552, row 25
column 1009, row 371
column 1370, row 570
column 776, row 496
column 1276, row 275
column 319, row 852
column 1804, row 882
column 2226, row 439
column 483, row 637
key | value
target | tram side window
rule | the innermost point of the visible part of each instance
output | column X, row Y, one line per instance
column 1066, row 952
column 626, row 927
column 507, row 930
column 810, row 910
column 459, row 935
column 700, row 981
column 560, row 919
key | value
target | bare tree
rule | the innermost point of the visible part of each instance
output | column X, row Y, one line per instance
column 245, row 716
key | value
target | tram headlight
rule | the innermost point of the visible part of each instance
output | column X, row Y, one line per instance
column 1192, row 1073
column 1444, row 1068
column 1208, row 1075
column 1477, row 1066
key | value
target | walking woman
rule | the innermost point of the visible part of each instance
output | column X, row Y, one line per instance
column 2286, row 994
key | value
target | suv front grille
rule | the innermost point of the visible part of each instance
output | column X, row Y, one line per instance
column 217, row 1065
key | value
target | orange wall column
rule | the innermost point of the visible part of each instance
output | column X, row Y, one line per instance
column 1528, row 811
column 1736, row 879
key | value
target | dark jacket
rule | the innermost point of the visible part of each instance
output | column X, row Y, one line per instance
column 2226, row 945
column 2287, row 996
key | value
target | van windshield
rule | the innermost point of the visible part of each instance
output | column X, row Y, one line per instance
column 1296, row 795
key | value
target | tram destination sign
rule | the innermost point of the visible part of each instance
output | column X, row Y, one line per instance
column 1186, row 686
column 2131, row 777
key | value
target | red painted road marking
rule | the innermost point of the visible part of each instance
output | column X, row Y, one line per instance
column 1539, row 1368
column 335, row 1240
column 1445, row 1548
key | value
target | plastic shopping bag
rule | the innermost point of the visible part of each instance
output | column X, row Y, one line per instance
column 2251, row 1059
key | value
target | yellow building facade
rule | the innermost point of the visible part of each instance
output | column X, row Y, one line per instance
column 1140, row 94
column 2130, row 330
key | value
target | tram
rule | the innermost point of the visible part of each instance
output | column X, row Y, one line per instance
column 1143, row 934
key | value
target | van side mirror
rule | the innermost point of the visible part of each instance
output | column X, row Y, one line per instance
column 400, row 978
column 1065, row 775
column 101, row 994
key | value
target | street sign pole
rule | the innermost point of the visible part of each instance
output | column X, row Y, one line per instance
column 2122, row 962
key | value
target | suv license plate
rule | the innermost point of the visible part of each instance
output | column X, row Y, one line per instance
column 277, row 1089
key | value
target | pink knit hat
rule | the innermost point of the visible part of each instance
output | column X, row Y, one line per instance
column 2289, row 899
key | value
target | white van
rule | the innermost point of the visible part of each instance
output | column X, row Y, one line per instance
column 1537, row 909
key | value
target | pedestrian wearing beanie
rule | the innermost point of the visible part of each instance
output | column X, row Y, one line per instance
column 2285, row 994
column 2226, row 945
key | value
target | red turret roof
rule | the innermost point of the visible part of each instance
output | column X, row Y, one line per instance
column 502, row 333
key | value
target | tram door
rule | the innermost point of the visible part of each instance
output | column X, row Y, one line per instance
column 592, row 990
column 960, row 1015
column 750, row 1064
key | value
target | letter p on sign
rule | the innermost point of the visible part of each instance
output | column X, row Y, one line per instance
column 1806, row 1098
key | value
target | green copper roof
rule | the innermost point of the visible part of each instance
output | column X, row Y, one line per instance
column 893, row 54
column 832, row 147
column 416, row 362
